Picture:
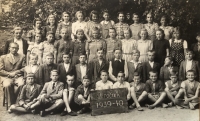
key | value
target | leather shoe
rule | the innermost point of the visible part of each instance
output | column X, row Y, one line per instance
column 63, row 113
column 72, row 113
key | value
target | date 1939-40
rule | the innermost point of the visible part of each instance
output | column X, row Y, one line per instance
column 109, row 103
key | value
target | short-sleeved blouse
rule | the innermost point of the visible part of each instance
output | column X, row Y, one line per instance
column 168, row 31
column 78, row 25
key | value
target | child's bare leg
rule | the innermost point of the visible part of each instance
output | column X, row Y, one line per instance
column 133, row 95
column 71, row 95
column 36, row 104
column 57, row 104
column 178, row 97
column 82, row 99
column 66, row 100
column 150, row 96
column 170, row 96
column 143, row 96
column 17, row 109
column 160, row 99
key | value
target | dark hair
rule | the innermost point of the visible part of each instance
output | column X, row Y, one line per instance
column 83, row 53
column 136, row 74
column 173, row 73
column 100, row 49
column 51, row 16
column 189, row 51
column 104, row 71
column 66, row 13
column 66, row 53
column 153, row 71
column 50, row 54
column 80, row 30
column 36, row 19
column 162, row 31
column 121, row 73
column 120, row 13
column 86, row 77
column 117, row 49
column 93, row 12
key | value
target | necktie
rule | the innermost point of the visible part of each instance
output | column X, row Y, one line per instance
column 154, row 88
column 53, row 86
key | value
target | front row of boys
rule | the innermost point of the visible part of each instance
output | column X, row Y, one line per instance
column 55, row 94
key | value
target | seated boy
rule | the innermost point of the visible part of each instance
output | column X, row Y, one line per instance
column 190, row 90
column 155, row 90
column 166, row 69
column 68, row 95
column 138, row 92
column 29, row 93
column 116, row 65
column 121, row 83
column 104, row 83
column 82, row 94
column 50, row 97
column 188, row 64
column 172, row 87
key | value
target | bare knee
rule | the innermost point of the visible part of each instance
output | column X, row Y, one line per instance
column 12, row 107
column 7, row 82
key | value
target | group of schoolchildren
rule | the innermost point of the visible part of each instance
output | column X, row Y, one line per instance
column 152, row 62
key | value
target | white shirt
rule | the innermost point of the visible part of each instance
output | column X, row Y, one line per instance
column 20, row 43
column 78, row 25
column 151, row 64
column 100, row 62
column 100, row 85
column 188, row 65
column 33, row 68
column 83, row 70
column 66, row 67
column 32, row 88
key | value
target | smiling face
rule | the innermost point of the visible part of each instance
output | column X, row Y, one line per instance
column 94, row 17
column 80, row 16
column 143, row 35
column 190, row 76
column 153, row 76
column 106, row 16
column 66, row 17
column 95, row 34
column 136, row 79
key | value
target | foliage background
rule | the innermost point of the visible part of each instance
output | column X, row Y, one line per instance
column 182, row 13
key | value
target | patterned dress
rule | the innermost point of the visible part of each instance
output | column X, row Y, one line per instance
column 177, row 52
column 120, row 27
column 90, row 25
column 127, row 48
column 151, row 29
column 168, row 31
column 67, row 26
column 144, row 47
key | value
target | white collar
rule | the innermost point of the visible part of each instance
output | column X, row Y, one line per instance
column 118, row 59
column 134, row 62
column 17, row 40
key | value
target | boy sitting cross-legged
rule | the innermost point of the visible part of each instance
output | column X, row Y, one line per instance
column 190, row 90
column 172, row 87
column 82, row 94
column 50, row 97
column 29, row 93
column 155, row 90
column 138, row 92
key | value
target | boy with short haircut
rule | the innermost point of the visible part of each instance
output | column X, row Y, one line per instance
column 188, row 64
column 28, row 94
column 172, row 87
column 66, row 67
column 33, row 67
column 45, row 69
column 151, row 65
column 97, row 65
column 116, row 65
column 81, row 69
column 50, row 97
column 190, row 90
column 68, row 95
column 135, row 66
column 166, row 69
column 104, row 83
column 155, row 90
column 138, row 92
column 82, row 94
column 121, row 83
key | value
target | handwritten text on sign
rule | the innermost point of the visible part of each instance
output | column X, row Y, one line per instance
column 109, row 101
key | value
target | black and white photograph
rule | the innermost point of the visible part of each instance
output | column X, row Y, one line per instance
column 99, row 60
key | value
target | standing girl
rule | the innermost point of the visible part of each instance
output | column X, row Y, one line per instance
column 93, row 23
column 66, row 24
column 167, row 29
column 106, row 24
column 178, row 47
column 144, row 45
column 95, row 44
column 37, row 28
column 64, row 45
column 151, row 27
column 78, row 46
column 128, row 45
column 136, row 27
column 47, row 46
column 161, row 47
column 51, row 25
column 79, row 24
column 112, row 44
